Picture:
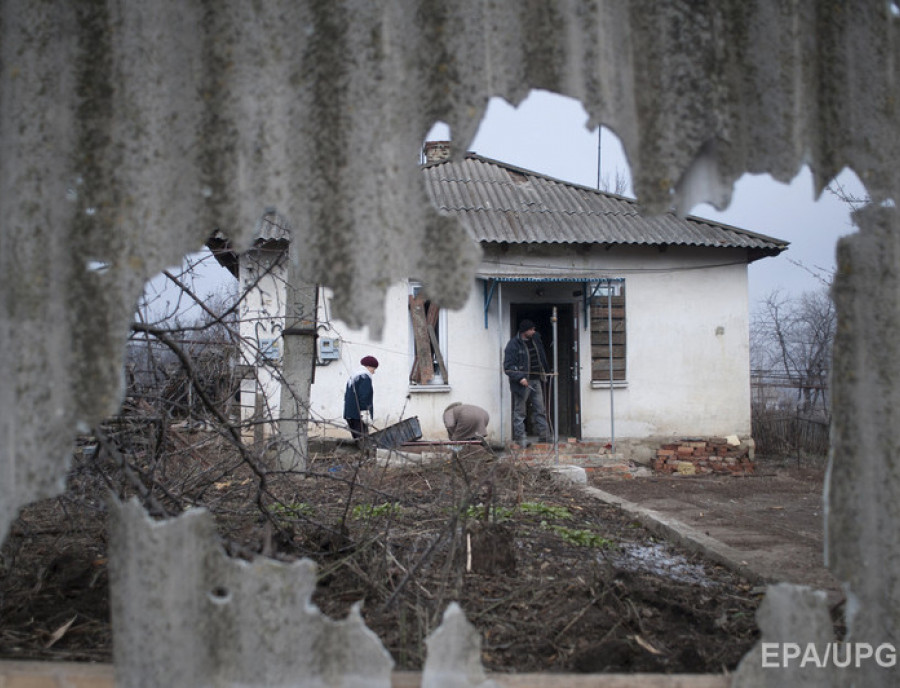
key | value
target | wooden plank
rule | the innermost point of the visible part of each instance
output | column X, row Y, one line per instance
column 602, row 352
column 610, row 680
column 423, row 371
column 77, row 675
column 603, row 326
column 411, row 679
column 436, row 349
column 33, row 674
column 617, row 377
column 616, row 301
column 602, row 338
column 603, row 313
column 603, row 364
column 602, row 375
column 431, row 316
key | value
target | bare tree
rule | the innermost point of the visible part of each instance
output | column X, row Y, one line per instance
column 617, row 186
column 792, row 345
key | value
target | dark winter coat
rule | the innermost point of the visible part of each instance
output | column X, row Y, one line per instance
column 516, row 359
column 359, row 395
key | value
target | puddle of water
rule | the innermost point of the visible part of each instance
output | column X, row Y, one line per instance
column 657, row 559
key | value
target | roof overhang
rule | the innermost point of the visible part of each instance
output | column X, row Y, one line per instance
column 591, row 285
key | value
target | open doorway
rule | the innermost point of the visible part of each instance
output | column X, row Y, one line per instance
column 569, row 419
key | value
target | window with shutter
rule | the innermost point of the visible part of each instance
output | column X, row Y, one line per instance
column 427, row 340
column 608, row 344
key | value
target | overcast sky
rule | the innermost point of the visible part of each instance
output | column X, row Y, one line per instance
column 547, row 134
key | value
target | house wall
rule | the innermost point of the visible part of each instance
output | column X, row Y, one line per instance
column 472, row 358
column 688, row 355
column 688, row 347
column 687, row 332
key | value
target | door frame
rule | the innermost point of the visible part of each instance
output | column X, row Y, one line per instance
column 568, row 342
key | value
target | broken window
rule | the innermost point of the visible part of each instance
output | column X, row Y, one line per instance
column 608, row 353
column 428, row 347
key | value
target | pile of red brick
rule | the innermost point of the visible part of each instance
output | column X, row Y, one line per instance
column 715, row 455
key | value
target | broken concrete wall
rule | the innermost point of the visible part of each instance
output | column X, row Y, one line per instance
column 185, row 614
column 863, row 485
column 130, row 130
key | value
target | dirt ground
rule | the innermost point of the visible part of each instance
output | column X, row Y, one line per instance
column 774, row 517
column 555, row 579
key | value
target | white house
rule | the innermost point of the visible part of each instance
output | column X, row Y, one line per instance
column 646, row 317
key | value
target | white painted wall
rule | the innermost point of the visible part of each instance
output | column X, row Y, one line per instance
column 688, row 356
column 687, row 332
column 262, row 288
column 472, row 358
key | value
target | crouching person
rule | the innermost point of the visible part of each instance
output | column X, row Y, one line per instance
column 466, row 422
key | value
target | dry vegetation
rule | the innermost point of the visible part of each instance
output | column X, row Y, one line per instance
column 553, row 579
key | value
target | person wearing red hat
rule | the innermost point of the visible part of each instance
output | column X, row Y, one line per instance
column 359, row 396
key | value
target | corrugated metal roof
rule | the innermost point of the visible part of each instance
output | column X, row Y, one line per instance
column 501, row 203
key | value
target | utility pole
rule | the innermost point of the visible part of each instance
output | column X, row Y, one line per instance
column 298, row 367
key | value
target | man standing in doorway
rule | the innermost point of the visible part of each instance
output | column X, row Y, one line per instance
column 525, row 362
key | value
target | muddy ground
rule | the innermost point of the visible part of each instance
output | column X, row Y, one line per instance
column 555, row 580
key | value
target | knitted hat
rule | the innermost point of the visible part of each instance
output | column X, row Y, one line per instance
column 525, row 325
column 369, row 362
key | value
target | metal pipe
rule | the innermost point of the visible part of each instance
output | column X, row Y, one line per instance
column 501, row 420
column 555, row 386
column 612, row 412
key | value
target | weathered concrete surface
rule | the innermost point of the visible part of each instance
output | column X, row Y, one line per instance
column 797, row 615
column 863, row 486
column 129, row 130
column 574, row 474
column 454, row 654
column 185, row 614
column 67, row 675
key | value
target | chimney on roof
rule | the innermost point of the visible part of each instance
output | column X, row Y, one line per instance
column 435, row 151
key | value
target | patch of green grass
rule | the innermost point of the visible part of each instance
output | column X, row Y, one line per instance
column 505, row 513
column 497, row 513
column 545, row 510
column 368, row 511
column 581, row 538
column 293, row 510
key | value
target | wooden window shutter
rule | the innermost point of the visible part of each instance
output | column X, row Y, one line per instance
column 606, row 340
column 424, row 317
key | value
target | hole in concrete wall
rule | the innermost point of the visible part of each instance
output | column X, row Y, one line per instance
column 220, row 595
column 548, row 133
column 791, row 212
column 203, row 279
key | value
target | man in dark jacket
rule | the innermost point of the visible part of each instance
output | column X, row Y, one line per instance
column 359, row 398
column 525, row 363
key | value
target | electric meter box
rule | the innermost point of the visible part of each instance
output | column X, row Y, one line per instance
column 329, row 349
